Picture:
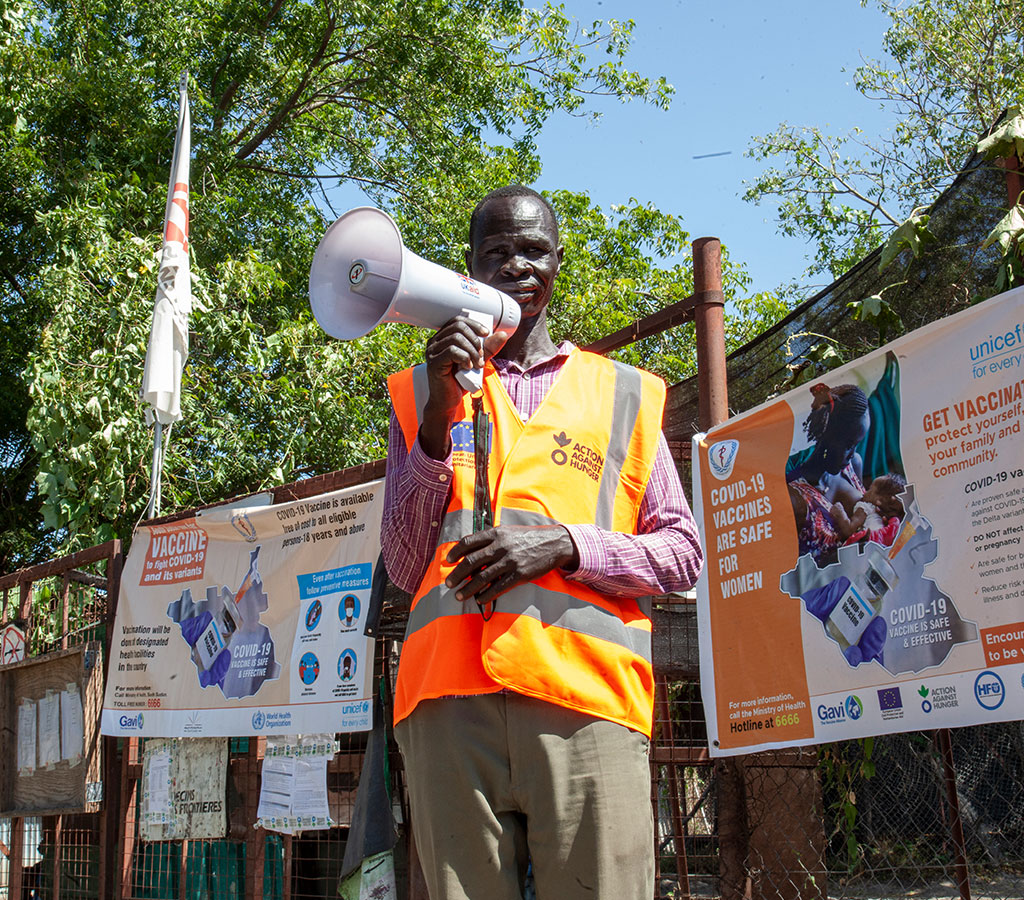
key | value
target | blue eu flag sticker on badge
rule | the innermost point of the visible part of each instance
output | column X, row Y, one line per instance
column 462, row 437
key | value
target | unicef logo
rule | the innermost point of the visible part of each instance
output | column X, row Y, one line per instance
column 258, row 719
column 721, row 457
column 854, row 708
column 989, row 690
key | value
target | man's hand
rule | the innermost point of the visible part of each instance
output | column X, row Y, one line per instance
column 460, row 343
column 496, row 559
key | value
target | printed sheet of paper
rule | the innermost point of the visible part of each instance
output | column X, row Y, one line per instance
column 49, row 729
column 276, row 789
column 293, row 793
column 309, row 800
column 26, row 737
column 72, row 725
column 157, row 801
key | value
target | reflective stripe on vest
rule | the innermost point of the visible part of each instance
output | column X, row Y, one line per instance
column 549, row 607
column 553, row 638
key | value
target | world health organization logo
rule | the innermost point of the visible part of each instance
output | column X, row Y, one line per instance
column 258, row 719
column 721, row 457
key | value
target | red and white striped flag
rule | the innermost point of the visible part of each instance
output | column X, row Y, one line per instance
column 168, row 337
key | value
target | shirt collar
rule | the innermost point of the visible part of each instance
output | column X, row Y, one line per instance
column 563, row 351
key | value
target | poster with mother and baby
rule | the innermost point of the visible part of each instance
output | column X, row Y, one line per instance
column 863, row 537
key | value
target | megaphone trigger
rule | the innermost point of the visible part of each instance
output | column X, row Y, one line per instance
column 472, row 380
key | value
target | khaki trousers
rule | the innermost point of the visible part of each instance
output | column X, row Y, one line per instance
column 500, row 779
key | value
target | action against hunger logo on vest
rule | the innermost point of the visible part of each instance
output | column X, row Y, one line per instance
column 585, row 459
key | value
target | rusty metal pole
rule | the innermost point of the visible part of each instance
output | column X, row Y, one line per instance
column 713, row 409
column 709, row 318
column 963, row 878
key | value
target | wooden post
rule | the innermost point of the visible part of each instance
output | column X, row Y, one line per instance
column 16, row 860
column 256, row 842
column 110, row 876
column 129, row 816
column 25, row 613
column 65, row 615
column 676, row 798
column 57, row 836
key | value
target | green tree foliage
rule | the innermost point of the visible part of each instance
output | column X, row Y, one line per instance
column 426, row 104
column 953, row 66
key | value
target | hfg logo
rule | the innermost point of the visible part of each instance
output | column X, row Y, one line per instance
column 989, row 690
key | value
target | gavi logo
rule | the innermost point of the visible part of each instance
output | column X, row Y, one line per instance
column 848, row 710
column 133, row 722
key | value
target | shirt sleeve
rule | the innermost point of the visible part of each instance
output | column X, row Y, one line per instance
column 416, row 491
column 664, row 556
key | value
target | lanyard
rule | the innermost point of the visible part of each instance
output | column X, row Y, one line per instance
column 483, row 515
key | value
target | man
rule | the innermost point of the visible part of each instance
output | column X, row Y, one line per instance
column 524, row 700
column 350, row 612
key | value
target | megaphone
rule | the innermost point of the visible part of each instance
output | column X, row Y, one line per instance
column 362, row 275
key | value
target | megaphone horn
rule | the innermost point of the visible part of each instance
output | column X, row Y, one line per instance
column 362, row 276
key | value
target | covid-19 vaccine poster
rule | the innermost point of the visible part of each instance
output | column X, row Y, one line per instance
column 248, row 621
column 864, row 540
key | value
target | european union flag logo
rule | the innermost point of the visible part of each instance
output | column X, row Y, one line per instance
column 889, row 698
column 462, row 437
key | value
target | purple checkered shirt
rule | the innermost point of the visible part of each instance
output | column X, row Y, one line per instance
column 664, row 556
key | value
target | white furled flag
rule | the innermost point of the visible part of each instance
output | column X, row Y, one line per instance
column 168, row 337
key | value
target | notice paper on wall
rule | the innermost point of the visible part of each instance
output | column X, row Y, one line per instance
column 49, row 729
column 184, row 789
column 72, row 725
column 156, row 790
column 26, row 737
column 293, row 791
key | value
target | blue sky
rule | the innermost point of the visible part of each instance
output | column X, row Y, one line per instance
column 739, row 69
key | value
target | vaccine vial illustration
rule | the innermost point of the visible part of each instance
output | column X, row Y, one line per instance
column 862, row 600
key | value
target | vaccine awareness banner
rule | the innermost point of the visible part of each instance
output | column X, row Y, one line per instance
column 248, row 621
column 863, row 537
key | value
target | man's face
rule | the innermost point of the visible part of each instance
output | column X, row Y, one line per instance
column 514, row 248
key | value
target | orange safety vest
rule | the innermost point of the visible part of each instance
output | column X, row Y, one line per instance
column 584, row 457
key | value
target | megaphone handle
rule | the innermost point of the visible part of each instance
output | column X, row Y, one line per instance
column 471, row 380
